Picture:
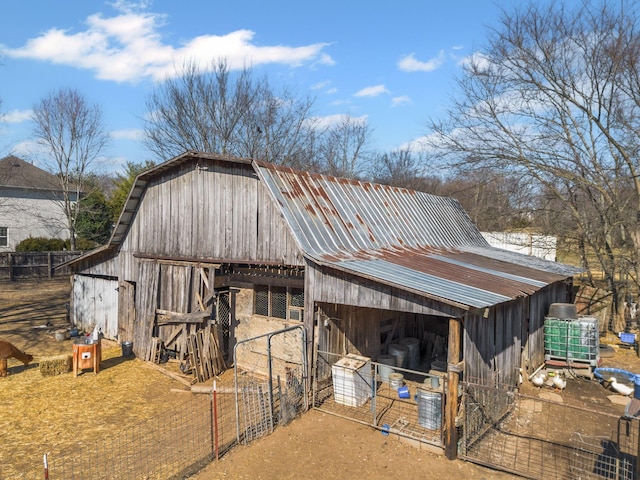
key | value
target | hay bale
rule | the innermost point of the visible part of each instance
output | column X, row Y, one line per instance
column 56, row 365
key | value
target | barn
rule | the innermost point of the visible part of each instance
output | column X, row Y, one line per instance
column 260, row 247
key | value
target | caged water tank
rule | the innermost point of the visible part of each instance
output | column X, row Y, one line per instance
column 572, row 340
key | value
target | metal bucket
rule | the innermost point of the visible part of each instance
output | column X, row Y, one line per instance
column 413, row 357
column 401, row 352
column 429, row 409
column 127, row 349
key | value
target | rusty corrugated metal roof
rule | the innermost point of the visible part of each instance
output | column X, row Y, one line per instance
column 412, row 240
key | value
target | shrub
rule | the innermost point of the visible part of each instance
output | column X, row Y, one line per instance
column 40, row 244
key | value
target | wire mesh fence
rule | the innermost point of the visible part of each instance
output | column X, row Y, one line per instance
column 392, row 399
column 268, row 391
column 170, row 445
column 539, row 438
column 270, row 375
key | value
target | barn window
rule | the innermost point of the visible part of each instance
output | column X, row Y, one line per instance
column 4, row 239
column 262, row 300
column 279, row 302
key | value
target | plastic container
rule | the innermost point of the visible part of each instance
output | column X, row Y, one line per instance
column 636, row 387
column 403, row 392
column 351, row 380
column 396, row 380
column 627, row 337
column 385, row 367
column 566, row 311
column 572, row 339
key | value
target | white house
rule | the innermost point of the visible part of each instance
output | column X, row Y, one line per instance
column 30, row 204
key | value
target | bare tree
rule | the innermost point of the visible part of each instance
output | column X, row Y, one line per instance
column 72, row 132
column 215, row 111
column 344, row 149
column 555, row 98
column 405, row 168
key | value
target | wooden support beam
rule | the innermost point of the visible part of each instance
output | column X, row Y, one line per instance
column 169, row 374
column 453, row 377
column 165, row 317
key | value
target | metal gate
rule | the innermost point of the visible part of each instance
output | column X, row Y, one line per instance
column 270, row 381
column 543, row 439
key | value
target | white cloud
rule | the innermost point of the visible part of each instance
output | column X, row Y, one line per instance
column 28, row 149
column 478, row 59
column 398, row 101
column 410, row 64
column 332, row 91
column 131, row 134
column 373, row 91
column 320, row 85
column 16, row 116
column 128, row 47
column 330, row 120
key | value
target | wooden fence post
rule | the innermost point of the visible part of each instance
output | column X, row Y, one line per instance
column 49, row 266
column 453, row 377
column 11, row 267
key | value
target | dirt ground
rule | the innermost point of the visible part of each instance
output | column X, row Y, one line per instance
column 41, row 413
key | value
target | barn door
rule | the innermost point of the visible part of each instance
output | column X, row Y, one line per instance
column 126, row 310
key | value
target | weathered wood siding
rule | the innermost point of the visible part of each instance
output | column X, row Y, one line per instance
column 209, row 210
column 493, row 344
column 538, row 308
column 95, row 302
column 146, row 305
column 346, row 329
column 332, row 286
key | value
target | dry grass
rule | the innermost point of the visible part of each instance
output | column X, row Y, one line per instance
column 52, row 414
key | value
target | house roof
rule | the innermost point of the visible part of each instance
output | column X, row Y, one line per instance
column 410, row 240
column 16, row 173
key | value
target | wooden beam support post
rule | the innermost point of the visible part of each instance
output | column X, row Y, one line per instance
column 453, row 377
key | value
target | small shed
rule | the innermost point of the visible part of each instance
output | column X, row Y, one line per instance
column 259, row 247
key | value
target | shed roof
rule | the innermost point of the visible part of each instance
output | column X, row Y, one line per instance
column 411, row 240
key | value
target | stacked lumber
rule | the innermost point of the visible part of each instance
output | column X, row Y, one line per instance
column 205, row 356
column 155, row 350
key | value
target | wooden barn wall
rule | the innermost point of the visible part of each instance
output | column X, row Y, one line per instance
column 94, row 302
column 109, row 267
column 344, row 329
column 493, row 346
column 210, row 210
column 508, row 330
column 332, row 286
column 146, row 304
column 479, row 348
column 559, row 292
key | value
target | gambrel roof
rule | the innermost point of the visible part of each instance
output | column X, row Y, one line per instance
column 410, row 240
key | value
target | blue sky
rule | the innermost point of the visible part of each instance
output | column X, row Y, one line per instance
column 392, row 63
